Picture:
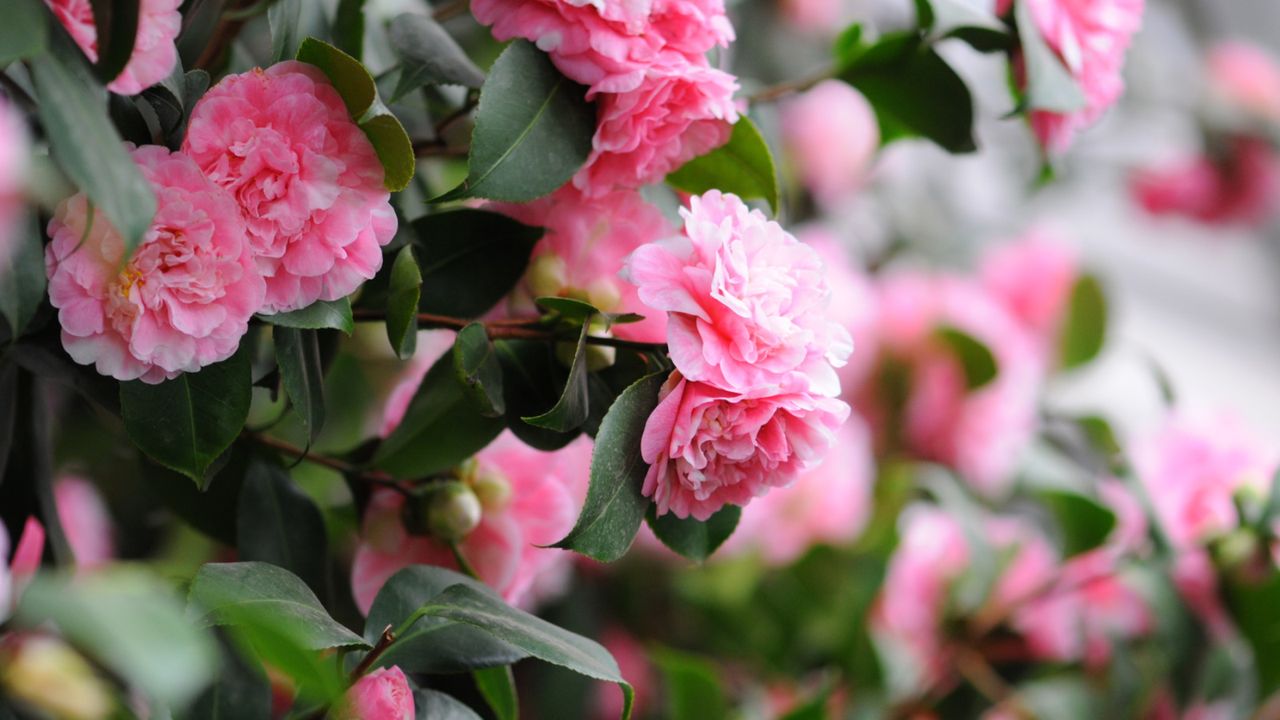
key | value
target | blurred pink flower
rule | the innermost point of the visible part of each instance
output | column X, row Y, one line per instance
column 383, row 694
column 746, row 302
column 14, row 158
column 681, row 109
column 1245, row 76
column 709, row 447
column 154, row 52
column 432, row 345
column 85, row 520
column 852, row 305
column 1241, row 185
column 609, row 46
column 1090, row 37
column 1033, row 278
column 979, row 432
column 831, row 135
column 587, row 241
column 546, row 491
column 634, row 664
column 181, row 302
column 830, row 503
column 824, row 17
column 6, row 577
column 309, row 183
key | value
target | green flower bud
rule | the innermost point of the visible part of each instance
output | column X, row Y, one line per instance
column 546, row 276
column 453, row 511
column 492, row 488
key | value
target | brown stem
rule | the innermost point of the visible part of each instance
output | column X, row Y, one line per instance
column 510, row 329
column 437, row 148
column 443, row 126
column 384, row 641
column 781, row 90
column 342, row 466
column 450, row 9
column 975, row 669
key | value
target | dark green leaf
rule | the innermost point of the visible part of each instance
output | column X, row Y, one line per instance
column 257, row 592
column 744, row 166
column 402, row 303
column 131, row 623
column 432, row 645
column 1085, row 330
column 614, row 506
column 435, row 705
column 22, row 277
column 532, row 376
column 570, row 411
column 692, row 538
column 352, row 81
column 395, row 150
column 537, row 637
column 241, row 691
column 85, row 144
column 568, row 308
column 976, row 359
column 301, row 373
column 913, row 90
column 187, row 422
column 429, row 56
column 440, row 429
column 348, row 27
column 279, row 524
column 116, row 23
column 1085, row 523
column 470, row 260
column 693, row 689
column 24, row 32
column 200, row 20
column 320, row 315
column 1049, row 84
column 532, row 132
column 498, row 688
column 476, row 363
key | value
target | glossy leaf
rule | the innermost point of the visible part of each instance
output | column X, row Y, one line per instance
column 116, row 26
column 976, row 359
column 402, row 303
column 1085, row 330
column 470, row 260
column 279, row 524
column 320, row 315
column 475, row 360
column 431, row 645
column 743, row 166
column 429, row 56
column 24, row 32
column 692, row 538
column 1085, row 523
column 498, row 688
column 533, row 129
column 570, row 411
column 186, row 423
column 301, row 373
column 435, row 705
column 614, row 506
column 348, row 27
column 532, row 378
column 242, row 690
column 85, row 144
column 394, row 148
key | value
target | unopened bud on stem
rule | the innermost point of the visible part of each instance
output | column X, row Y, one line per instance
column 453, row 511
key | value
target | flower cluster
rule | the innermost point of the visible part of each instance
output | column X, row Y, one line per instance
column 154, row 52
column 276, row 201
column 752, row 402
column 660, row 102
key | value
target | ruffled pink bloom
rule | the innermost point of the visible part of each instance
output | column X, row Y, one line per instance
column 746, row 302
column 980, row 432
column 828, row 504
column 708, row 447
column 1090, row 37
column 181, row 302
column 383, row 694
column 586, row 243
column 154, row 52
column 546, row 493
column 608, row 45
column 309, row 183
column 681, row 109
column 1242, row 185
column 86, row 522
column 14, row 158
column 1033, row 278
column 831, row 136
column 1245, row 76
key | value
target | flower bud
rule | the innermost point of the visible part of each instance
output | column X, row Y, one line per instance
column 546, row 276
column 453, row 511
column 383, row 694
column 603, row 294
column 45, row 673
column 492, row 488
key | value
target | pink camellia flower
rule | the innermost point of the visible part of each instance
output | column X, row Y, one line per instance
column 1033, row 278
column 383, row 694
column 609, row 46
column 827, row 504
column 529, row 497
column 746, row 302
column 181, row 302
column 586, row 243
column 309, row 183
column 154, row 51
column 1240, row 185
column 680, row 110
column 634, row 665
column 85, row 520
column 708, row 447
column 981, row 431
column 831, row 136
column 1245, row 76
column 14, row 158
column 1090, row 37
column 432, row 345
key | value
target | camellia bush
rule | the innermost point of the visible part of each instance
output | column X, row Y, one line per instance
column 376, row 360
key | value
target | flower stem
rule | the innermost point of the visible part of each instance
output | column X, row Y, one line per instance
column 791, row 87
column 384, row 641
column 512, row 329
column 342, row 466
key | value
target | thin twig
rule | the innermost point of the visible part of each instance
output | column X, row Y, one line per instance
column 437, row 148
column 450, row 9
column 775, row 92
column 342, row 466
column 384, row 641
column 511, row 329
column 448, row 121
column 463, row 564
